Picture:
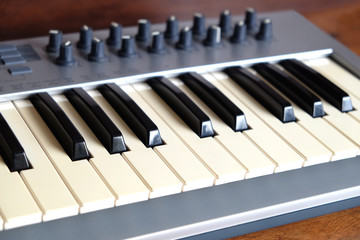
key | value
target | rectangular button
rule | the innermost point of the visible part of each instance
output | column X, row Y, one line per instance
column 19, row 70
column 13, row 61
column 7, row 47
column 9, row 54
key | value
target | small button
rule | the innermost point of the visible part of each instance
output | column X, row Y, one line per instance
column 9, row 54
column 13, row 61
column 19, row 70
column 7, row 47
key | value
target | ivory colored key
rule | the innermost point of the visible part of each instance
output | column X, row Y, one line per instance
column 313, row 151
column 17, row 206
column 340, row 77
column 274, row 146
column 114, row 170
column 188, row 168
column 244, row 150
column 44, row 183
column 144, row 161
column 216, row 158
column 79, row 175
column 340, row 145
column 344, row 123
column 336, row 74
column 319, row 84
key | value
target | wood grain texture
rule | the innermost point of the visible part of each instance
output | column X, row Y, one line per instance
column 341, row 19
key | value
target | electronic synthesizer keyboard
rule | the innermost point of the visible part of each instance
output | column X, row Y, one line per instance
column 204, row 129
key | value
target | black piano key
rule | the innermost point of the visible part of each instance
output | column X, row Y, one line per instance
column 101, row 125
column 10, row 148
column 289, row 86
column 216, row 100
column 183, row 106
column 144, row 128
column 319, row 84
column 263, row 93
column 61, row 126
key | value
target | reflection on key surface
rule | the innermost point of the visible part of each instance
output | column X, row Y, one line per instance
column 60, row 125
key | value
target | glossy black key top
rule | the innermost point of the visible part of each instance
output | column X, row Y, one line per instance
column 183, row 106
column 60, row 125
column 144, row 128
column 10, row 148
column 101, row 125
column 319, row 84
column 263, row 93
column 289, row 86
column 215, row 100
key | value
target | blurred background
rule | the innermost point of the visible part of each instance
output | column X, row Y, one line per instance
column 28, row 18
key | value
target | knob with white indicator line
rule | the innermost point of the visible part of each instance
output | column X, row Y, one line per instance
column 66, row 55
column 97, row 53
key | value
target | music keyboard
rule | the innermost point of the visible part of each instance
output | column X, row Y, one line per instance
column 269, row 173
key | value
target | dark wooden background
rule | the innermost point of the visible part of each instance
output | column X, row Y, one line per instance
column 340, row 18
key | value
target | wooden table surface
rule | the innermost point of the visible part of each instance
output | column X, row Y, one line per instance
column 341, row 19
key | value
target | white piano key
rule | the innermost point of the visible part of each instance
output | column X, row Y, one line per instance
column 144, row 161
column 118, row 175
column 178, row 157
column 344, row 123
column 52, row 195
column 313, row 151
column 17, row 206
column 79, row 176
column 225, row 167
column 273, row 145
column 242, row 148
column 339, row 144
column 337, row 74
column 157, row 175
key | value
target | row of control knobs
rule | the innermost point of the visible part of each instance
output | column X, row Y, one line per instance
column 183, row 40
